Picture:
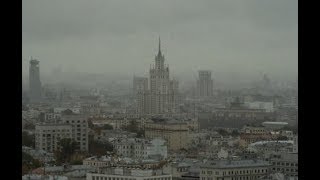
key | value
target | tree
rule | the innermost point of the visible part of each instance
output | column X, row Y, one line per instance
column 66, row 150
column 99, row 148
column 29, row 163
column 234, row 133
column 282, row 138
column 90, row 124
column 222, row 132
column 29, row 126
column 67, row 112
column 132, row 127
column 140, row 133
column 107, row 127
column 27, row 140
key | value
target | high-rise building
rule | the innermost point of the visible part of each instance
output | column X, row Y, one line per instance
column 139, row 84
column 204, row 84
column 163, row 95
column 34, row 81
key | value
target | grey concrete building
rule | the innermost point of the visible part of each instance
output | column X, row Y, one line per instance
column 204, row 84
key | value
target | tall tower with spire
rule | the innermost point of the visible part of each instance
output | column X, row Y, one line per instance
column 162, row 96
column 34, row 81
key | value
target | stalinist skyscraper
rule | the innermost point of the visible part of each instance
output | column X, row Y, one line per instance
column 162, row 97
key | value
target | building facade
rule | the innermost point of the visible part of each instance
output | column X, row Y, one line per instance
column 234, row 170
column 79, row 125
column 204, row 84
column 286, row 163
column 34, row 81
column 125, row 173
column 140, row 148
column 175, row 133
column 47, row 136
column 139, row 84
column 162, row 97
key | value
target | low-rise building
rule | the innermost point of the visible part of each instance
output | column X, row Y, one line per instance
column 174, row 132
column 234, row 170
column 286, row 163
column 127, row 173
column 140, row 148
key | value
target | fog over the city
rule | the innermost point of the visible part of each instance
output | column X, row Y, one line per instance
column 238, row 40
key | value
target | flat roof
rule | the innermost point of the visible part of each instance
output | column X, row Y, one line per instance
column 222, row 164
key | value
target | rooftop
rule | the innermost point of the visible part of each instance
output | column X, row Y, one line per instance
column 220, row 164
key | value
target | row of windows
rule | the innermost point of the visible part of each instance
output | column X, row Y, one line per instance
column 236, row 178
column 285, row 164
column 287, row 170
column 58, row 130
column 84, row 121
column 114, row 178
column 237, row 172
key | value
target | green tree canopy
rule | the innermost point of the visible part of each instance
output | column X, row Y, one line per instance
column 27, row 139
column 66, row 150
column 99, row 148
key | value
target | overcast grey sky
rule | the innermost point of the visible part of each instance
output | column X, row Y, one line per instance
column 240, row 37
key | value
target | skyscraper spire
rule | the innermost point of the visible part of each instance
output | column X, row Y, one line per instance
column 159, row 52
column 159, row 44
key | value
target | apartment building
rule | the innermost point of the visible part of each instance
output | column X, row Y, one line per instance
column 79, row 133
column 47, row 135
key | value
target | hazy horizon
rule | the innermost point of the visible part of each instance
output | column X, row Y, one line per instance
column 237, row 40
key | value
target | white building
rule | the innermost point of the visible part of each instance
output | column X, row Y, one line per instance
column 268, row 106
column 140, row 148
column 47, row 136
column 124, row 173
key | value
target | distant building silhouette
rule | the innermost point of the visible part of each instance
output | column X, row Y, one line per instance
column 162, row 97
column 34, row 81
column 204, row 84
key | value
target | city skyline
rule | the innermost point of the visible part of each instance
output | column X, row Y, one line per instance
column 208, row 35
